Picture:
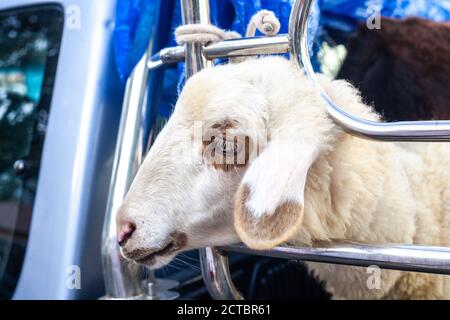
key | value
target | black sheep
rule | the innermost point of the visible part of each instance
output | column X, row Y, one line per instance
column 402, row 69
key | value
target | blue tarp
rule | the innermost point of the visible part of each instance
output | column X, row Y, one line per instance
column 134, row 18
column 131, row 33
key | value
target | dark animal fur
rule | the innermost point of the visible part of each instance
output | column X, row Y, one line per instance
column 402, row 69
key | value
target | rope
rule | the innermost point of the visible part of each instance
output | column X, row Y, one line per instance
column 265, row 21
column 202, row 33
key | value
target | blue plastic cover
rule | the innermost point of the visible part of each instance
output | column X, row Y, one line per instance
column 131, row 33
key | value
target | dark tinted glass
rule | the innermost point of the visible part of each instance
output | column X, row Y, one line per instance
column 29, row 46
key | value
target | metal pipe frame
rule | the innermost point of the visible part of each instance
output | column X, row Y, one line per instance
column 123, row 279
column 214, row 261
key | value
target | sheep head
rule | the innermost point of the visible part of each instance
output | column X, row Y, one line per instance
column 230, row 164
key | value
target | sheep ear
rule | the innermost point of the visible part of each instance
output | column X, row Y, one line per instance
column 269, row 202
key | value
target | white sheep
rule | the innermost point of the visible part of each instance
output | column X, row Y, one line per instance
column 294, row 176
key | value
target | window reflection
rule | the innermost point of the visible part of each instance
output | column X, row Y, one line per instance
column 29, row 43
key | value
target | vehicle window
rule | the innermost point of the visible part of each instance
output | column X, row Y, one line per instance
column 29, row 46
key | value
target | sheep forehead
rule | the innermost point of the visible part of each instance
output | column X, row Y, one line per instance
column 208, row 100
column 236, row 91
column 204, row 92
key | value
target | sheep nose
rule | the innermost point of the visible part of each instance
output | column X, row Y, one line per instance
column 126, row 231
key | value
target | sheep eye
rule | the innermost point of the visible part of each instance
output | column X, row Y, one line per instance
column 225, row 153
column 225, row 146
column 218, row 146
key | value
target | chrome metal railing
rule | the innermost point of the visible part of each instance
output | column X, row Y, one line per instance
column 214, row 261
column 125, row 280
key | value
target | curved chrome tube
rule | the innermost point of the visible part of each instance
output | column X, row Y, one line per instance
column 216, row 274
column 123, row 278
column 394, row 131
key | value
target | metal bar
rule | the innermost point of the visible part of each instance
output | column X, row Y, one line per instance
column 248, row 47
column 216, row 274
column 193, row 12
column 393, row 131
column 123, row 280
column 226, row 49
column 167, row 56
column 397, row 257
column 215, row 269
